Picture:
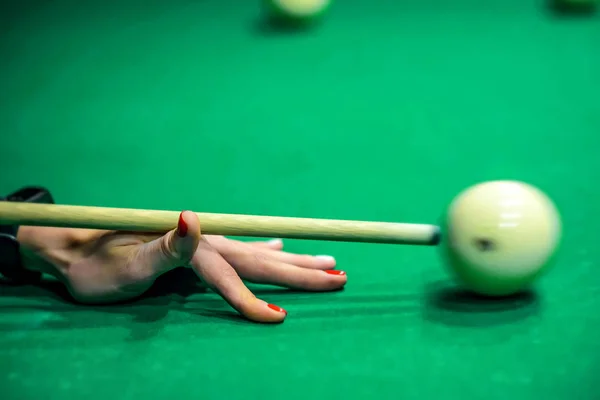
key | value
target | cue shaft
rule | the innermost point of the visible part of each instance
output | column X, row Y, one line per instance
column 15, row 213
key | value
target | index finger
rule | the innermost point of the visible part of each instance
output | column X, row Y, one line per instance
column 220, row 276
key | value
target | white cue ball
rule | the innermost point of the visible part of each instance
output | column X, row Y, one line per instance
column 299, row 9
column 500, row 236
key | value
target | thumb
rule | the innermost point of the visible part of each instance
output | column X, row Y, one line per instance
column 175, row 248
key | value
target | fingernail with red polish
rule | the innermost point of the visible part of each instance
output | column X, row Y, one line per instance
column 182, row 227
column 277, row 308
column 335, row 272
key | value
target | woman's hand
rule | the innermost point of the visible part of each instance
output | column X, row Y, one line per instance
column 107, row 266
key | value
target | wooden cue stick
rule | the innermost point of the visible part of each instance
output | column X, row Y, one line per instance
column 217, row 224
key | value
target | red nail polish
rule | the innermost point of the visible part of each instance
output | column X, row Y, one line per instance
column 182, row 227
column 335, row 272
column 277, row 308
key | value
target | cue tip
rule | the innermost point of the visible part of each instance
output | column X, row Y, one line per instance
column 437, row 236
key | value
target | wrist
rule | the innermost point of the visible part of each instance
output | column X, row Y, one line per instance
column 42, row 249
column 25, row 236
column 15, row 261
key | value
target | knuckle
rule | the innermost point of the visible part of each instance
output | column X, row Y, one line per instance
column 260, row 264
column 222, row 277
column 259, row 258
column 226, row 271
column 305, row 259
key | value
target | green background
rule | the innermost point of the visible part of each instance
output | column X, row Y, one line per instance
column 384, row 112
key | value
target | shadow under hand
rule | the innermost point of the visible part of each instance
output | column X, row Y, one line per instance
column 50, row 301
column 451, row 305
column 572, row 8
column 271, row 25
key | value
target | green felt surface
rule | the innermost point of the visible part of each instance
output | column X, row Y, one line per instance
column 383, row 112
